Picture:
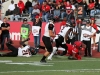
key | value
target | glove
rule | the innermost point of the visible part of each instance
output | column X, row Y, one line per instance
column 55, row 38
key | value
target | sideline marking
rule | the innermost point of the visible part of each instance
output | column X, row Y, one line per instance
column 34, row 63
column 5, row 61
column 70, row 71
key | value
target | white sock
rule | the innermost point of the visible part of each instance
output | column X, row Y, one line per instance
column 53, row 52
column 62, row 49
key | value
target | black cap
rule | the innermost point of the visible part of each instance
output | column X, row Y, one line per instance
column 88, row 21
column 25, row 19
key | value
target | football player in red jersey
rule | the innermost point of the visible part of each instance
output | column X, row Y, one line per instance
column 73, row 50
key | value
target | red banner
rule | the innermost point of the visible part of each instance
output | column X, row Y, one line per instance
column 15, row 30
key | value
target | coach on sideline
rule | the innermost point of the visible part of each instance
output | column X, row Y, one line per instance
column 87, row 33
column 5, row 26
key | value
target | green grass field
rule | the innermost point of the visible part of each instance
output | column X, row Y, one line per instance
column 60, row 65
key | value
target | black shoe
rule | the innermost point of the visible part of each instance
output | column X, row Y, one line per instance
column 90, row 55
column 85, row 55
column 43, row 61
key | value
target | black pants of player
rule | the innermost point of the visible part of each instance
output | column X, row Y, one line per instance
column 59, row 42
column 14, row 50
column 88, row 47
column 47, row 43
column 71, row 40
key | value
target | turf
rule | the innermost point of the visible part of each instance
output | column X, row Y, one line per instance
column 60, row 65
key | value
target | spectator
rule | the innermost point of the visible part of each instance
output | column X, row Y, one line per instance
column 11, row 6
column 16, row 14
column 45, row 11
column 65, row 2
column 31, row 8
column 8, row 14
column 68, row 11
column 21, row 6
column 63, row 11
column 35, row 12
column 56, row 14
column 85, row 7
column 5, row 32
column 28, row 4
column 90, row 6
column 96, row 10
column 25, row 30
column 41, row 1
column 37, row 32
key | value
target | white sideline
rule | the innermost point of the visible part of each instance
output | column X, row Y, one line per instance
column 74, row 70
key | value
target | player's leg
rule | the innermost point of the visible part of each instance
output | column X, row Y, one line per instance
column 53, row 52
column 63, row 45
column 48, row 45
column 13, row 49
column 57, row 44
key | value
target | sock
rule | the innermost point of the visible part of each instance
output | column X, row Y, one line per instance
column 62, row 49
column 43, row 58
column 53, row 52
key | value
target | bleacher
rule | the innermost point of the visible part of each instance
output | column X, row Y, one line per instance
column 5, row 7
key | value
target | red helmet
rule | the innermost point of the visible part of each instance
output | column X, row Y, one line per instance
column 77, row 44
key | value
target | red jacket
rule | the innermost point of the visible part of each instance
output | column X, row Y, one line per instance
column 21, row 6
column 46, row 8
column 91, row 6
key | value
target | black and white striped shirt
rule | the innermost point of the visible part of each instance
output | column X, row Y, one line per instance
column 71, row 34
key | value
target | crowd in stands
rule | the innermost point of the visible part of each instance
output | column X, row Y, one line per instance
column 58, row 9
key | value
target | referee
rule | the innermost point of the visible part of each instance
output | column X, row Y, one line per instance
column 87, row 33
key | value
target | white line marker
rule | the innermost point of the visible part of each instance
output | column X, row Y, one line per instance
column 5, row 61
column 75, row 70
column 34, row 63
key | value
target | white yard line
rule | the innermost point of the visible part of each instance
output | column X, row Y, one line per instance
column 74, row 70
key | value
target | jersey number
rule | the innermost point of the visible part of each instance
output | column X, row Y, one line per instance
column 62, row 28
column 25, row 52
column 80, row 10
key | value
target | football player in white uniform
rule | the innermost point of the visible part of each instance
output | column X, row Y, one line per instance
column 48, row 33
column 60, row 40
column 25, row 51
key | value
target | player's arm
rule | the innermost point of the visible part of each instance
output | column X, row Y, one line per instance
column 51, row 30
column 66, row 36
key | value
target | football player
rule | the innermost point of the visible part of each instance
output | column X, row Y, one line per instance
column 60, row 40
column 48, row 34
column 73, row 50
column 25, row 51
